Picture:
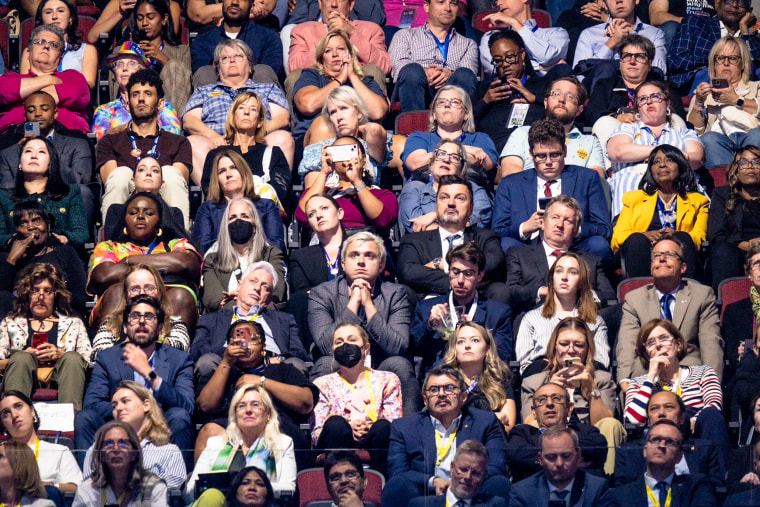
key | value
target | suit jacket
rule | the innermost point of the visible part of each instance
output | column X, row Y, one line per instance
column 493, row 315
column 420, row 248
column 308, row 268
column 211, row 333
column 691, row 490
column 695, row 315
column 639, row 208
column 173, row 366
column 412, row 450
column 588, row 491
column 479, row 500
column 527, row 271
column 516, row 199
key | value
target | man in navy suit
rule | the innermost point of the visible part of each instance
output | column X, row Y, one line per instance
column 166, row 371
column 466, row 271
column 423, row 444
column 662, row 452
column 518, row 216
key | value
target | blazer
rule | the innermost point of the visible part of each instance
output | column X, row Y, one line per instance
column 722, row 228
column 412, row 450
column 588, row 491
column 516, row 199
column 695, row 315
column 639, row 208
column 72, row 336
column 211, row 333
column 493, row 315
column 419, row 248
column 308, row 268
column 479, row 500
column 528, row 269
column 173, row 366
column 690, row 490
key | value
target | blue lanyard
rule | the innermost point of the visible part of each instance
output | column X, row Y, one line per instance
column 670, row 212
column 153, row 149
column 443, row 47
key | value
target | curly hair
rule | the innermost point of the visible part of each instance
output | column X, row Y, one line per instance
column 147, row 77
column 154, row 426
column 571, row 324
column 732, row 178
column 32, row 275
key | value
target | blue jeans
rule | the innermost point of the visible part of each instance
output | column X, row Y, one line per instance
column 414, row 92
column 670, row 28
column 719, row 148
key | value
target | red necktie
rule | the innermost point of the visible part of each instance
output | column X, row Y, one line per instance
column 547, row 188
column 556, row 253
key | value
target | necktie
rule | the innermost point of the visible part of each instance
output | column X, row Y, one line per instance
column 451, row 239
column 547, row 188
column 560, row 495
column 665, row 306
column 662, row 487
column 556, row 253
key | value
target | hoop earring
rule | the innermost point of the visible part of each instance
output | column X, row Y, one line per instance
column 125, row 231
column 667, row 112
column 637, row 116
column 160, row 232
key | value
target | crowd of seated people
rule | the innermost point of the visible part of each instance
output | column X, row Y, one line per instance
column 438, row 304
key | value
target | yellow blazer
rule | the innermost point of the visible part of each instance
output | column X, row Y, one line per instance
column 639, row 209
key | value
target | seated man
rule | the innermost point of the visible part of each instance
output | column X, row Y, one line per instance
column 430, row 56
column 122, row 148
column 421, row 260
column 361, row 297
column 562, row 480
column 166, row 371
column 420, row 465
column 466, row 269
column 663, row 453
column 366, row 10
column 528, row 266
column 551, row 406
column 518, row 214
column 345, row 480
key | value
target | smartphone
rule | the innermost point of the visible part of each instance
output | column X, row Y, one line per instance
column 556, row 503
column 140, row 35
column 39, row 339
column 343, row 153
column 31, row 128
column 719, row 83
column 570, row 360
column 542, row 202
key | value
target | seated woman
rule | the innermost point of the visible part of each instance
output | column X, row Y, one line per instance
column 143, row 240
column 725, row 116
column 240, row 244
column 733, row 226
column 245, row 131
column 39, row 179
column 135, row 405
column 570, row 356
column 32, row 244
column 253, row 432
column 249, row 488
column 118, row 475
column 347, row 181
column 356, row 404
column 569, row 294
column 417, row 202
column 41, row 343
column 123, row 62
column 472, row 350
column 140, row 279
column 115, row 16
column 20, row 421
column 77, row 55
column 665, row 206
column 336, row 65
column 20, row 483
column 451, row 117
column 231, row 179
column 632, row 143
column 739, row 318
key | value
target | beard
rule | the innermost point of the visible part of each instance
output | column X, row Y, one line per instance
column 564, row 119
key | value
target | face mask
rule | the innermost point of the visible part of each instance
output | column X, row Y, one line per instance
column 240, row 231
column 348, row 355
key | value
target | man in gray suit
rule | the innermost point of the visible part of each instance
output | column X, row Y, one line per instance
column 688, row 304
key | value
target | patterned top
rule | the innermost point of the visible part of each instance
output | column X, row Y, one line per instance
column 72, row 336
column 336, row 398
column 116, row 113
column 700, row 388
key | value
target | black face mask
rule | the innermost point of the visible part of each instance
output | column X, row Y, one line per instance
column 348, row 355
column 240, row 231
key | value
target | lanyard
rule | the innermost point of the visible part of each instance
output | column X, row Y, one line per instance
column 443, row 47
column 370, row 409
column 443, row 449
column 472, row 386
column 138, row 153
column 118, row 500
column 654, row 500
column 470, row 314
column 667, row 216
column 37, row 449
column 677, row 386
column 333, row 266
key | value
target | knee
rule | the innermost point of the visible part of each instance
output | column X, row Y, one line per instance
column 336, row 424
column 72, row 358
column 206, row 365
column 173, row 177
column 412, row 73
column 181, row 300
column 398, row 365
column 178, row 419
column 22, row 359
column 636, row 242
column 119, row 179
column 464, row 77
column 87, row 419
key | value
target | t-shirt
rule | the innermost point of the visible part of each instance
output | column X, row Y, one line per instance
column 171, row 148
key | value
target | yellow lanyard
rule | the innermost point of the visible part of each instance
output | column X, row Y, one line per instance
column 118, row 500
column 443, row 450
column 678, row 391
column 37, row 449
column 370, row 409
column 654, row 500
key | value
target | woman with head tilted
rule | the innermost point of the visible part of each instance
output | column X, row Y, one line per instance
column 19, row 478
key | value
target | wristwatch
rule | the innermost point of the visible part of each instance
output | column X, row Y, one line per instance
column 152, row 375
column 740, row 102
column 262, row 379
column 437, row 263
column 596, row 393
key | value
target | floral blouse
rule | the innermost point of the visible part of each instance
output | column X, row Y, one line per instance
column 72, row 336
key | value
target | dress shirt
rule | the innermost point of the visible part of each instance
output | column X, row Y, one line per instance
column 593, row 44
column 444, row 469
column 452, row 500
column 418, row 45
column 673, row 293
column 445, row 244
column 569, row 489
column 652, row 483
column 545, row 46
column 556, row 188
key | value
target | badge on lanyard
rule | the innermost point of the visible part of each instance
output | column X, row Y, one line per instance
column 407, row 17
column 517, row 118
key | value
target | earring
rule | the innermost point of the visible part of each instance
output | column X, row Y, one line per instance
column 35, row 419
column 667, row 112
column 637, row 116
column 264, row 353
column 160, row 232
column 125, row 231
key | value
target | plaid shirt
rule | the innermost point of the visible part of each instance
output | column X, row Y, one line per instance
column 418, row 45
column 116, row 113
column 216, row 101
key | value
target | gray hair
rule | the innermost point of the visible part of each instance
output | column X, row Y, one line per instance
column 46, row 28
column 237, row 44
column 557, row 431
column 461, row 151
column 361, row 237
column 226, row 258
column 469, row 122
column 349, row 96
column 266, row 267
column 472, row 447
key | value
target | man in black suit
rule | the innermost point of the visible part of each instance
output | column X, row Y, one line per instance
column 699, row 456
column 662, row 452
column 466, row 271
column 528, row 266
column 421, row 259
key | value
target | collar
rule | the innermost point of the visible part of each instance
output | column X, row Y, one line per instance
column 653, row 482
column 673, row 292
column 548, row 250
column 132, row 133
column 443, row 233
column 553, row 488
column 248, row 84
column 724, row 28
column 542, row 181
column 438, row 426
column 574, row 133
column 427, row 29
column 643, row 126
column 451, row 499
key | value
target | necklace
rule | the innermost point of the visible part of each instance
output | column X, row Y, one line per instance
column 42, row 326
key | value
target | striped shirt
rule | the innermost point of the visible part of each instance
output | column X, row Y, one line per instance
column 418, row 45
column 700, row 388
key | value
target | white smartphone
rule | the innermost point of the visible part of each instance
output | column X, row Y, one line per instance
column 344, row 152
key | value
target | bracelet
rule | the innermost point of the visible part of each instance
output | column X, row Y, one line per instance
column 361, row 187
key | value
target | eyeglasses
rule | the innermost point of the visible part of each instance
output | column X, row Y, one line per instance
column 255, row 406
column 506, row 60
column 570, row 97
column 655, row 98
column 42, row 292
column 557, row 398
column 639, row 57
column 468, row 273
column 120, row 443
column 136, row 290
column 445, row 155
column 232, row 58
column 728, row 59
column 126, row 64
column 541, row 157
column 667, row 442
column 446, row 390
column 665, row 339
column 454, row 103
column 350, row 475
column 754, row 265
column 743, row 163
column 656, row 256
column 49, row 43
column 136, row 317
column 737, row 3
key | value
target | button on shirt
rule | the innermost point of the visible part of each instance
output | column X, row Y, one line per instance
column 445, row 244
column 418, row 45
